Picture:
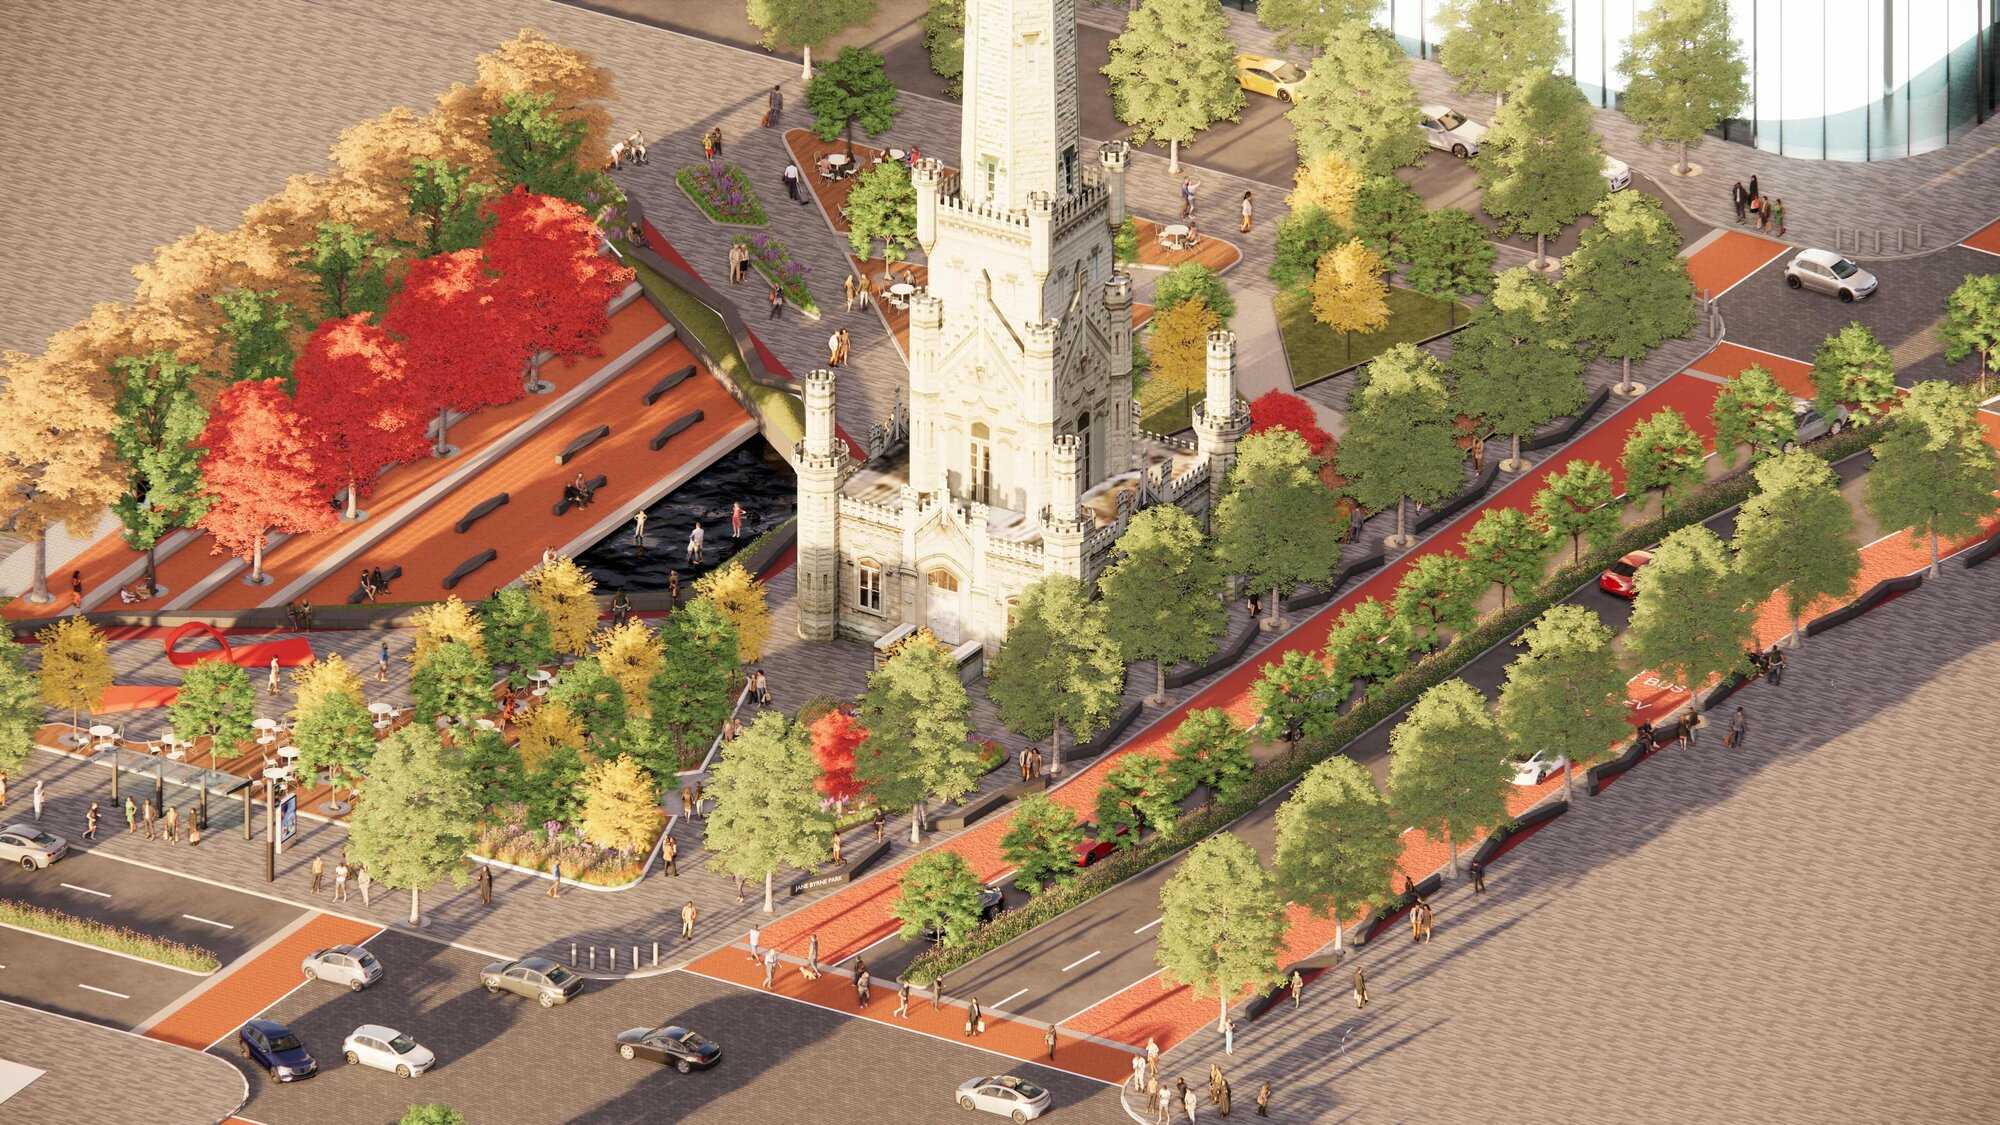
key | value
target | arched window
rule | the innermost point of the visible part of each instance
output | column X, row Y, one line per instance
column 869, row 594
column 979, row 474
column 945, row 580
column 1084, row 475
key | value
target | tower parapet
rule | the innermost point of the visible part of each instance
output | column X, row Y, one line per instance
column 925, row 176
column 1114, row 156
column 1220, row 418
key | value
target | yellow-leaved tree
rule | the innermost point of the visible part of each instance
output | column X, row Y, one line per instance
column 621, row 809
column 545, row 729
column 57, row 463
column 448, row 620
column 566, row 596
column 1178, row 342
column 527, row 64
column 741, row 599
column 316, row 680
column 629, row 653
column 1348, row 293
column 1328, row 183
column 76, row 666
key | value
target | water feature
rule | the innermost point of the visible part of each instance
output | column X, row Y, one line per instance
column 752, row 474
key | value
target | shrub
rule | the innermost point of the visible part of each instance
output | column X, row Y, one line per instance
column 114, row 938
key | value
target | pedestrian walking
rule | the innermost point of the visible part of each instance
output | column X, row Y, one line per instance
column 1738, row 723
column 761, row 686
column 340, row 874
column 318, row 870
column 273, row 681
column 937, row 994
column 1739, row 198
column 673, row 588
column 850, row 290
column 1778, row 215
column 881, row 825
column 1416, row 924
column 90, row 816
column 382, row 664
column 1222, row 1102
column 670, row 850
column 1138, row 1072
column 694, row 545
column 131, row 815
column 1187, row 198
column 1360, row 989
column 687, row 803
column 862, row 983
column 833, row 349
column 76, row 590
column 792, row 182
column 975, row 1024
column 777, row 303
column 486, row 884
column 1777, row 666
column 173, row 824
column 1049, row 1038
column 1478, row 878
column 1247, row 213
column 774, row 106
column 1189, row 1102
column 812, row 956
column 365, row 881
column 688, row 916
column 756, row 954
column 36, row 798
column 1684, row 732
column 1264, row 1099
column 1298, row 989
column 770, row 967
column 902, row 999
column 555, row 880
column 846, row 342
column 1163, row 1098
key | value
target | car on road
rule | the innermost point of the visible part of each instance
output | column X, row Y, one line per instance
column 1811, row 425
column 272, row 1046
column 1005, row 1095
column 1622, row 579
column 1270, row 76
column 1446, row 128
column 350, row 965
column 31, row 847
column 537, row 978
column 669, row 1046
column 1617, row 174
column 1538, row 767
column 1090, row 849
column 1824, row 271
column 385, row 1048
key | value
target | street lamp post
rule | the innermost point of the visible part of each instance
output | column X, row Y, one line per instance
column 270, row 833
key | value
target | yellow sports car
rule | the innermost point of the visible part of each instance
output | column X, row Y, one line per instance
column 1268, row 75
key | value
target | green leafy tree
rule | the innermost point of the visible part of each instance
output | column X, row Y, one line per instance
column 1224, row 922
column 1367, row 644
column 414, row 821
column 160, row 418
column 1304, row 237
column 1933, row 473
column 1294, row 694
column 1439, row 593
column 516, row 633
column 499, row 778
column 1505, row 549
column 766, row 814
column 1853, row 371
column 1173, row 73
column 1684, row 72
column 350, row 267
column 1663, row 454
column 944, row 39
column 1337, row 842
column 883, row 205
column 452, row 680
column 939, row 895
column 915, row 711
column 1754, row 410
column 1309, row 22
column 1797, row 534
column 1693, row 618
column 1386, row 211
column 1399, row 443
column 1192, row 281
column 259, row 327
column 1142, row 791
column 1565, row 696
column 1972, row 322
column 691, row 695
column 20, row 705
column 1628, row 291
column 1514, row 367
column 551, row 786
column 1059, row 669
column 1541, row 164
column 1358, row 101
column 788, row 25
column 336, row 734
column 1212, row 749
column 433, row 1113
column 1041, row 844
column 1491, row 45
column 538, row 149
column 1163, row 593
column 215, row 702
column 1449, row 258
column 1577, row 502
column 1277, row 527
column 853, row 89
column 594, row 697
column 1448, row 768
column 447, row 202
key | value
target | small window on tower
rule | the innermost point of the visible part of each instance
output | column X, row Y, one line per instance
column 1069, row 169
column 870, row 592
column 991, row 175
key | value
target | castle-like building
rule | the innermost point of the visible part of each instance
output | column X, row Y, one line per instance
column 1024, row 458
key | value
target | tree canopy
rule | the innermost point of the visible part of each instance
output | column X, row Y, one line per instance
column 1541, row 164
column 1578, row 502
column 1448, row 768
column 1277, row 527
column 1399, row 443
column 853, row 89
column 1853, row 371
column 1490, row 45
column 1684, row 72
column 1357, row 101
column 883, row 207
column 1337, row 842
column 1224, row 922
column 1162, row 593
column 1797, row 534
column 1753, row 410
column 1565, row 696
column 1173, row 72
column 1059, row 668
column 1692, row 619
column 1933, row 472
column 414, row 821
column 916, row 711
column 766, row 815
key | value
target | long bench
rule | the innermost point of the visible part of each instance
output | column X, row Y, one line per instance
column 464, row 570
column 583, row 442
column 1885, row 590
column 661, row 388
column 563, row 505
column 1556, row 433
column 667, row 433
column 1224, row 657
column 1106, row 738
column 480, row 511
column 1315, row 595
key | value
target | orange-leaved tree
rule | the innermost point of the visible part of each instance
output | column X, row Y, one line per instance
column 260, row 472
column 359, row 403
column 835, row 735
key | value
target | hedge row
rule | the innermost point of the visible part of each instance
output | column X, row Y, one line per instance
column 1712, row 498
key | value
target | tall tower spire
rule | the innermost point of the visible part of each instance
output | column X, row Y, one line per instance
column 1019, row 124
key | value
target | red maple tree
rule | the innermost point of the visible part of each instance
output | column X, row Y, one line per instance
column 555, row 281
column 463, row 348
column 1281, row 411
column 835, row 735
column 360, row 403
column 260, row 472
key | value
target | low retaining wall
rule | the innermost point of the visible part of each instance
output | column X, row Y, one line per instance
column 1382, row 920
column 1560, row 432
column 1503, row 839
column 1224, row 658
column 1316, row 595
column 853, row 869
column 1468, row 494
column 1974, row 556
column 1885, row 590
column 1106, row 738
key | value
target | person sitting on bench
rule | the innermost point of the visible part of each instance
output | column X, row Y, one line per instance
column 138, row 591
column 582, row 491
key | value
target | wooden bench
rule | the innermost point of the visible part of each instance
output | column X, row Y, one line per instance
column 674, row 427
column 582, row 443
column 661, row 388
column 563, row 506
column 388, row 576
column 480, row 511
column 464, row 570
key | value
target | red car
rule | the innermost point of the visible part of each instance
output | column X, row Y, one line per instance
column 1091, row 849
column 1621, row 581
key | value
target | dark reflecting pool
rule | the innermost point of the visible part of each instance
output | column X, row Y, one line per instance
column 752, row 475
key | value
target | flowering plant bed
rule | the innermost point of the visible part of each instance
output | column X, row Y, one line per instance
column 117, row 939
column 514, row 842
column 722, row 192
column 775, row 262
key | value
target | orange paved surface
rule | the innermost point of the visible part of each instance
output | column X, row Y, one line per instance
column 1021, row 1039
column 249, row 989
column 1727, row 361
column 1989, row 421
column 1730, row 259
column 1217, row 254
column 429, row 547
column 1987, row 238
column 98, row 562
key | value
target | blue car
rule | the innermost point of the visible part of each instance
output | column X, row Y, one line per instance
column 272, row 1046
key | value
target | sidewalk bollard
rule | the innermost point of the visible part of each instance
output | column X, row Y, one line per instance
column 656, row 953
column 612, row 952
column 572, row 955
column 593, row 958
column 635, row 958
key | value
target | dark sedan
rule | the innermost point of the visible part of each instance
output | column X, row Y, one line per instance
column 272, row 1046
column 669, row 1046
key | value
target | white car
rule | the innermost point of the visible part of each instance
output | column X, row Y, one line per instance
column 1824, row 271
column 385, row 1048
column 350, row 965
column 30, row 847
column 1005, row 1095
column 1538, row 768
column 1446, row 128
column 1617, row 174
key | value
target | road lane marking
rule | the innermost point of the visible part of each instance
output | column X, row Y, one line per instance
column 1001, row 1004
column 1150, row 925
column 208, row 921
column 86, row 890
column 1081, row 960
column 105, row 991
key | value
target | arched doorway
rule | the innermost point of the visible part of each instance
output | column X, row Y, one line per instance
column 941, row 604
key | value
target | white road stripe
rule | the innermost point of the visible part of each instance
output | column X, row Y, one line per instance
column 105, row 991
column 1150, row 925
column 1010, row 996
column 1081, row 960
column 208, row 921
column 86, row 890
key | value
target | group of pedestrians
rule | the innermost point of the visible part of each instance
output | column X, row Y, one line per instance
column 345, row 872
column 140, row 816
column 1031, row 763
column 1753, row 205
column 836, row 346
column 1165, row 1100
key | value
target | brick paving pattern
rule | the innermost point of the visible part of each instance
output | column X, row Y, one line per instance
column 93, row 1073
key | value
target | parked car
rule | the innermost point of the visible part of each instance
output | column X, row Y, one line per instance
column 1005, row 1095
column 385, row 1048
column 1812, row 425
column 1824, row 271
column 1621, row 580
column 1270, row 76
column 350, row 965
column 31, row 847
column 1446, row 128
column 990, row 900
column 669, row 1046
column 1617, row 174
column 537, row 978
column 272, row 1046
column 1091, row 849
column 1538, row 767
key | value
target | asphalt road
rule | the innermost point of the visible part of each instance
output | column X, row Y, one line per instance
column 504, row 1059
column 88, row 984
column 225, row 922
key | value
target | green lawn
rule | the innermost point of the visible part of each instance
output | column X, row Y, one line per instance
column 1164, row 408
column 1317, row 352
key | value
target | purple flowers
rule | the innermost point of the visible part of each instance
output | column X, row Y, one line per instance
column 722, row 192
column 776, row 261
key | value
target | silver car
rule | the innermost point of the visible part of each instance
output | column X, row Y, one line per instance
column 385, row 1048
column 1808, row 424
column 1447, row 129
column 1005, row 1095
column 30, row 847
column 1824, row 271
column 537, row 978
column 350, row 965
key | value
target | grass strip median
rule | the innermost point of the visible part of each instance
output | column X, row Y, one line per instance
column 102, row 935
